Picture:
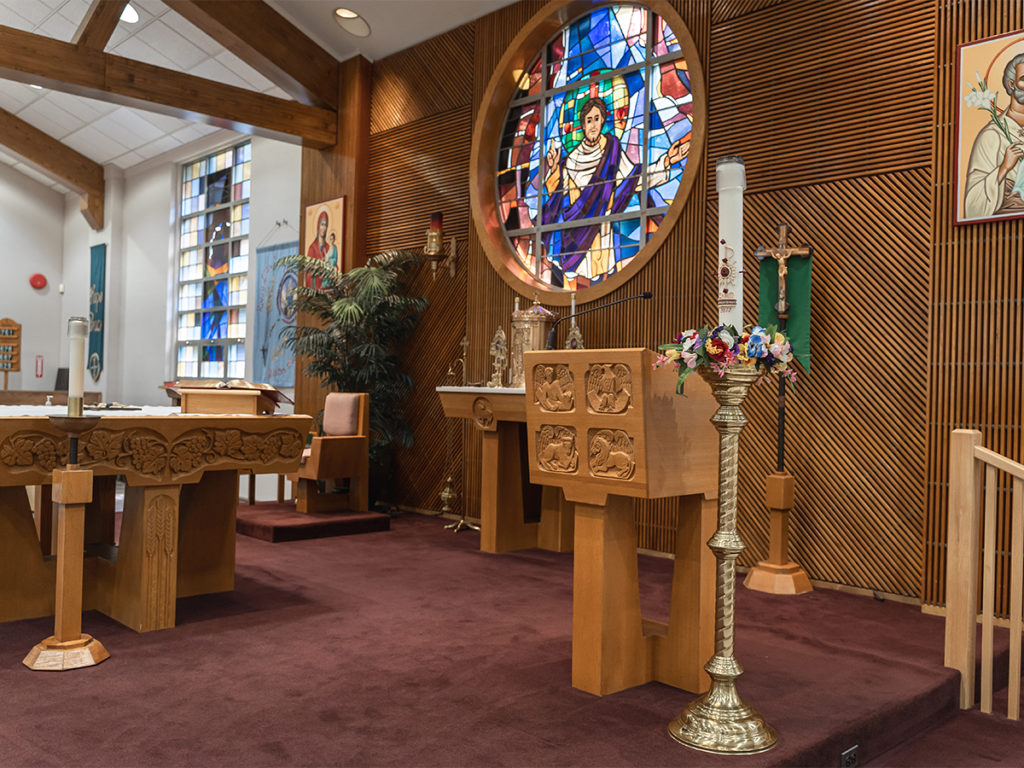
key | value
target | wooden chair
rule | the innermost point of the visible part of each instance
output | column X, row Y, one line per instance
column 341, row 452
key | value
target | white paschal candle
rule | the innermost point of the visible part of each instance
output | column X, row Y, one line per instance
column 78, row 329
column 731, row 180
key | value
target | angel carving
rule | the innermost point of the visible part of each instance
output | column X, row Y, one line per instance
column 553, row 387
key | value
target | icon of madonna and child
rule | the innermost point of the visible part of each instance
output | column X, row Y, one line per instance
column 598, row 178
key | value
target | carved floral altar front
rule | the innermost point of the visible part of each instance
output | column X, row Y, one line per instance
column 178, row 528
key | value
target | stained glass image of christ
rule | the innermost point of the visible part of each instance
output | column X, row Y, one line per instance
column 594, row 158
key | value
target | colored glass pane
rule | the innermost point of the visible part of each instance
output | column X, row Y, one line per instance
column 606, row 124
column 520, row 165
column 604, row 40
column 215, row 294
column 215, row 325
column 665, row 41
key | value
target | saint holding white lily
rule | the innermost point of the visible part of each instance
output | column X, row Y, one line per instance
column 995, row 181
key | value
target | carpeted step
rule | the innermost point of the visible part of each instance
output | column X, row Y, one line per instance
column 275, row 522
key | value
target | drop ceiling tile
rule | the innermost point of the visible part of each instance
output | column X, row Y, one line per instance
column 212, row 69
column 165, row 123
column 154, row 8
column 192, row 132
column 172, row 45
column 16, row 96
column 51, row 118
column 85, row 108
column 158, row 147
column 95, row 144
column 136, row 49
column 10, row 17
column 128, row 127
column 192, row 33
column 127, row 160
column 255, row 81
column 74, row 11
column 58, row 27
column 33, row 12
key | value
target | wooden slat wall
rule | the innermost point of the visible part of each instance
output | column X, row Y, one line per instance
column 833, row 121
column 977, row 308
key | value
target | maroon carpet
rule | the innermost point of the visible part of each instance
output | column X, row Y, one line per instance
column 271, row 521
column 414, row 648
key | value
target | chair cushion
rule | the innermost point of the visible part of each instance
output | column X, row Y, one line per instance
column 341, row 413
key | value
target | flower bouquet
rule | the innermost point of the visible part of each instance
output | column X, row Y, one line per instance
column 722, row 347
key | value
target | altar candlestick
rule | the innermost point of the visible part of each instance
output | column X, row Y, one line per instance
column 730, row 176
column 78, row 329
column 572, row 307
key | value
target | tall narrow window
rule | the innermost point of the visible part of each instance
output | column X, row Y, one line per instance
column 213, row 265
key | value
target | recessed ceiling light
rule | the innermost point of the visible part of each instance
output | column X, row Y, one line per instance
column 37, row 87
column 129, row 14
column 351, row 22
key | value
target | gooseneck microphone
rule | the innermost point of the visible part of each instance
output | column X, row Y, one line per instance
column 551, row 334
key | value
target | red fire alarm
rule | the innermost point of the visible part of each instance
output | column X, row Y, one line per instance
column 37, row 281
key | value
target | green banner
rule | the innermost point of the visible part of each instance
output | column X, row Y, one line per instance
column 798, row 294
column 97, row 287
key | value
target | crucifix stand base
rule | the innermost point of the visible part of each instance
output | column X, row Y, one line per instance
column 53, row 655
column 778, row 575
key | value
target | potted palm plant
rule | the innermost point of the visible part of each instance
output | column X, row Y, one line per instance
column 358, row 321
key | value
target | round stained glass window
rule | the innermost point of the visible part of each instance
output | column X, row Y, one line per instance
column 602, row 135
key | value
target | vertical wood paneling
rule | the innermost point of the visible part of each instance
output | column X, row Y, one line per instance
column 976, row 372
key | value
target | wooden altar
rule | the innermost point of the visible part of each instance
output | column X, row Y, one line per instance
column 178, row 528
column 513, row 513
column 604, row 426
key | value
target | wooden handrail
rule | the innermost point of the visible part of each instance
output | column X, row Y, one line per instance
column 999, row 461
column 964, row 555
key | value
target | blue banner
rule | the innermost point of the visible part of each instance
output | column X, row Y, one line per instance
column 272, row 362
column 97, row 287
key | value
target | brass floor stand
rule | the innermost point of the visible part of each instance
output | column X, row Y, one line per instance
column 462, row 524
column 720, row 721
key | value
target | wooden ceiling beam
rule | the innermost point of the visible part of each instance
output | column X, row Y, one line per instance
column 98, row 25
column 40, row 60
column 270, row 44
column 59, row 161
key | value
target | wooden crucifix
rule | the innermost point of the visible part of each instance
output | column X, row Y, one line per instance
column 782, row 253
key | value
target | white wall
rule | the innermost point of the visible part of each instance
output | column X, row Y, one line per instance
column 32, row 239
column 140, row 232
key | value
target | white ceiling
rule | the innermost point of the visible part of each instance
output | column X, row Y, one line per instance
column 124, row 137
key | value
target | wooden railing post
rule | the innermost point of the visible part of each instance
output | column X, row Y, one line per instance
column 962, row 559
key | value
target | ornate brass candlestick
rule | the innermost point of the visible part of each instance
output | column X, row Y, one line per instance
column 719, row 721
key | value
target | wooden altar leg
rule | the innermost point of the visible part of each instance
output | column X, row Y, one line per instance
column 555, row 532
column 609, row 652
column 206, row 559
column 502, row 528
column 26, row 579
column 68, row 647
column 145, row 582
column 680, row 655
column 43, row 505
